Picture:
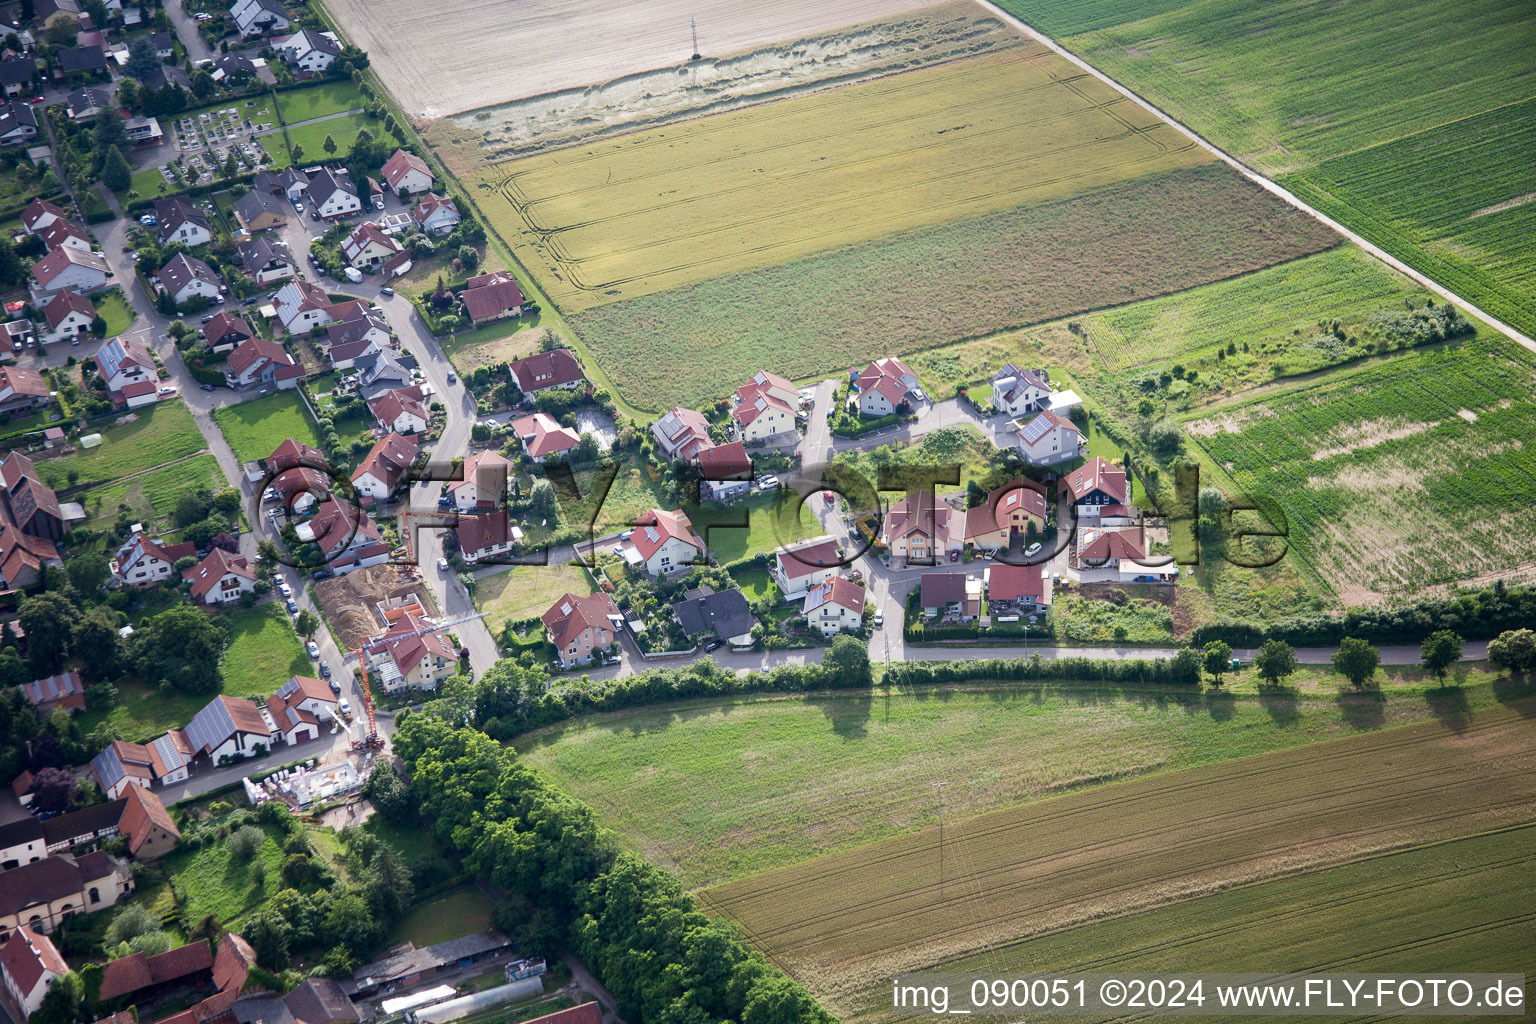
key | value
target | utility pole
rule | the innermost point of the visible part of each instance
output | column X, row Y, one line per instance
column 693, row 26
column 939, row 788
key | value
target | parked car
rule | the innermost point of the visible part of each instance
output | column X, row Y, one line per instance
column 298, row 205
column 312, row 648
column 345, row 707
column 626, row 535
column 206, row 387
column 828, row 497
column 714, row 645
column 387, row 292
column 879, row 619
column 451, row 378
column 293, row 606
column 917, row 393
column 618, row 549
column 75, row 340
column 163, row 391
column 1032, row 550
column 325, row 670
column 284, row 589
column 251, row 301
column 335, row 686
column 442, row 565
column 149, row 220
column 207, row 318
column 768, row 483
column 445, row 501
column 321, row 574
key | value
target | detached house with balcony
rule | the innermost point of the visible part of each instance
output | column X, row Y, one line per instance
column 221, row 577
column 68, row 269
column 1050, row 438
column 834, row 606
column 545, row 371
column 484, row 482
column 129, row 372
column 582, row 629
column 180, row 221
column 885, row 387
column 765, row 408
column 682, row 434
column 185, row 277
column 69, row 316
column 1018, row 392
column 384, row 469
column 411, row 655
column 406, row 173
column 799, row 567
column 665, row 542
column 144, row 561
column 259, row 361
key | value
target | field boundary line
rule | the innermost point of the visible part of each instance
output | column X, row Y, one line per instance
column 1268, row 184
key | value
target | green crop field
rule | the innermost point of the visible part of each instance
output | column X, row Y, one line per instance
column 1457, row 202
column 1397, row 476
column 255, row 428
column 1284, row 84
column 843, row 922
column 667, row 207
column 1030, row 264
column 264, row 651
column 794, row 777
column 1459, row 902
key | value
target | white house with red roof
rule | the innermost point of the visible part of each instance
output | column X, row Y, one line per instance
column 229, row 727
column 725, row 472
column 486, row 536
column 884, row 386
column 1050, row 438
column 922, row 528
column 29, row 965
column 496, row 297
column 799, row 567
column 346, row 535
column 22, row 387
column 185, row 278
column 403, row 410
column 682, row 434
column 484, row 482
column 69, row 315
column 39, row 214
column 543, row 438
column 68, row 268
column 368, row 246
column 302, row 306
column 129, row 372
column 385, row 466
column 542, row 371
column 259, row 361
column 405, row 173
column 143, row 560
column 309, row 694
column 67, row 232
column 833, row 606
column 1096, row 485
column 761, row 410
column 435, row 214
column 665, row 542
column 221, row 577
column 411, row 655
column 582, row 628
column 1016, row 589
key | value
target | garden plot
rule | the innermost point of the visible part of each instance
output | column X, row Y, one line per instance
column 205, row 139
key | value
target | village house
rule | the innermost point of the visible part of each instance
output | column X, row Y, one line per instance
column 920, row 528
column 69, row 316
column 29, row 965
column 799, row 567
column 347, row 536
column 665, row 542
column 308, row 694
column 765, row 408
column 725, row 613
column 833, row 606
column 402, row 410
column 23, row 557
column 1016, row 589
column 412, row 654
column 309, row 50
column 1096, row 487
column 725, row 472
column 67, row 232
column 259, row 17
column 21, row 840
column 39, row 214
column 177, row 220
column 143, row 561
column 29, row 505
column 542, row 438
column 159, row 762
column 1017, row 392
column 17, row 74
column 225, row 331
column 544, row 371
column 266, row 259
column 582, row 629
column 682, row 434
column 84, row 104
column 1007, row 513
column 129, row 372
column 22, row 389
column 486, row 537
column 303, row 305
column 368, row 246
column 220, row 578
column 260, row 211
column 230, row 729
column 42, row 895
column 185, row 277
column 885, row 387
column 483, row 483
column 1116, row 549
column 384, row 469
column 18, row 335
column 435, row 214
column 51, row 693
column 950, row 595
column 491, row 297
column 18, row 124
column 1050, row 438
column 68, row 268
column 139, row 978
column 259, row 361
column 146, row 131
column 379, row 371
column 333, row 195
column 233, row 70
column 294, row 722
column 405, row 173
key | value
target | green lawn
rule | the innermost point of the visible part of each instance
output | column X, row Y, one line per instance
column 526, row 592
column 255, row 428
column 209, row 880
column 143, row 712
column 114, row 309
column 264, row 651
column 766, row 516
column 319, row 100
column 460, row 912
column 962, row 447
column 311, row 138
column 790, row 778
column 755, row 583
column 161, row 433
column 153, row 495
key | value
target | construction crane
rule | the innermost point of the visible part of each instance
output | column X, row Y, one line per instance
column 370, row 740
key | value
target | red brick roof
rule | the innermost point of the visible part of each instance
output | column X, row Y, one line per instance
column 726, row 462
column 26, row 955
column 492, row 299
column 64, row 303
column 143, row 813
column 402, row 163
column 205, row 575
column 586, row 1013
column 571, row 615
column 655, row 528
column 1114, row 544
column 389, row 458
column 1007, row 582
column 1096, row 475
column 546, row 370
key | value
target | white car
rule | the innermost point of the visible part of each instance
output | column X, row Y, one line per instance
column 167, row 391
column 917, row 393
column 879, row 619
column 442, row 565
column 284, row 589
column 298, row 206
column 1033, row 549
column 313, row 649
column 345, row 707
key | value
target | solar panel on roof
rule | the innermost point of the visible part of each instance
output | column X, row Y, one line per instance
column 210, row 726
column 109, row 770
column 168, row 753
column 1035, row 429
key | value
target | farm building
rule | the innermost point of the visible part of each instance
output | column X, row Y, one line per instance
column 407, row 966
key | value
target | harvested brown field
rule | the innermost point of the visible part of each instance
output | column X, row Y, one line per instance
column 778, row 71
column 932, row 286
column 842, row 922
column 348, row 600
column 454, row 55
column 660, row 209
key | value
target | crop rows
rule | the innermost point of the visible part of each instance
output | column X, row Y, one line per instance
column 1401, row 476
column 843, row 921
column 666, row 207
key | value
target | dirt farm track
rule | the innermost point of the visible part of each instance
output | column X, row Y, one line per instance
column 444, row 58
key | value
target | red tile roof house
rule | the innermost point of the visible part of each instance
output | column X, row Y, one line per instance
column 220, row 578
column 492, row 301
column 22, row 388
column 1050, row 438
column 302, row 306
column 799, row 567
column 50, row 693
column 487, row 536
column 368, row 246
column 39, row 214
column 225, row 331
column 436, row 215
column 129, row 372
column 69, row 315
column 406, row 173
column 403, row 410
column 141, row 977
column 582, row 628
column 483, row 482
column 185, row 278
column 295, row 723
column 761, row 410
column 229, row 728
column 725, row 472
column 922, row 529
column 542, row 438
column 23, row 557
column 143, row 561
column 67, row 267
column 682, row 434
column 542, row 371
column 384, row 469
column 348, row 537
column 1095, row 484
column 67, row 232
column 29, row 965
column 411, row 654
column 666, row 542
column 834, row 605
column 1024, row 589
column 259, row 361
column 26, row 502
column 885, row 386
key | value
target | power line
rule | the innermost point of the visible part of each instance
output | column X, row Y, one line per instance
column 939, row 788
